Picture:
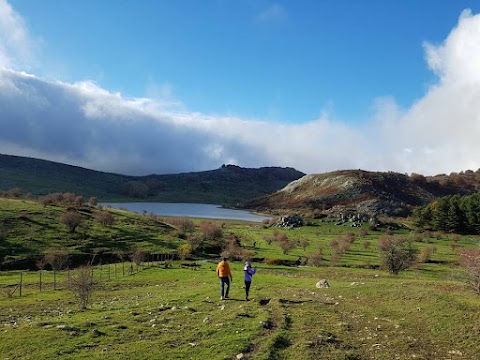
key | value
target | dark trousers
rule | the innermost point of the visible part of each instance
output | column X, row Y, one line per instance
column 247, row 287
column 224, row 286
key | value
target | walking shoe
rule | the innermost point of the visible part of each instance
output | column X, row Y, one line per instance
column 222, row 298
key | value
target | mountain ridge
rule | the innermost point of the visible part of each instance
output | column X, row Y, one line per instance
column 227, row 185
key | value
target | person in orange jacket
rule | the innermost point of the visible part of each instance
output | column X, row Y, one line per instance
column 225, row 275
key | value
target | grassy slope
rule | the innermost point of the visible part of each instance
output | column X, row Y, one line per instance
column 227, row 185
column 424, row 313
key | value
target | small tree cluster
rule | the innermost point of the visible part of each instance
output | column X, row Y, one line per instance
column 61, row 199
column 15, row 193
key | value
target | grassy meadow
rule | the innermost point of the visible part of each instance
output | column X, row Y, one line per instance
column 175, row 311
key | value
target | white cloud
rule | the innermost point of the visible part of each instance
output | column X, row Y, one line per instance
column 84, row 124
column 16, row 46
column 272, row 14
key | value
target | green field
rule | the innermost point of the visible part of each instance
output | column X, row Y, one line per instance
column 175, row 312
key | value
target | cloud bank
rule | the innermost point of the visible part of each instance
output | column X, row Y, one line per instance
column 84, row 124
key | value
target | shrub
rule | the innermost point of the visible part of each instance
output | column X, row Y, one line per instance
column 57, row 258
column 138, row 256
column 82, row 284
column 397, row 253
column 303, row 243
column 184, row 251
column 426, row 254
column 71, row 219
column 316, row 258
column 183, row 225
column 104, row 218
column 211, row 231
column 287, row 245
column 470, row 262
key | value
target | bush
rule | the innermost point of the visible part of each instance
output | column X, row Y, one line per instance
column 71, row 219
column 315, row 259
column 104, row 218
column 397, row 253
column 470, row 262
column 184, row 251
column 82, row 284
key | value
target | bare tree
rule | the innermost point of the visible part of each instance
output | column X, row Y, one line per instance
column 71, row 219
column 397, row 253
column 82, row 284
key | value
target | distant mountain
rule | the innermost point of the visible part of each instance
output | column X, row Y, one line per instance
column 227, row 185
column 365, row 192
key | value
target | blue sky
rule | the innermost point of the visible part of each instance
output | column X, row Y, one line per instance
column 315, row 85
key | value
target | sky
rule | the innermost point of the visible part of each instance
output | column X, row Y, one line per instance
column 170, row 86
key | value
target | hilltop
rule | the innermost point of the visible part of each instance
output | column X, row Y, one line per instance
column 227, row 185
column 366, row 192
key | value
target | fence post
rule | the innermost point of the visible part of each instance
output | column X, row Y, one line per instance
column 108, row 272
column 40, row 273
column 21, row 283
column 54, row 280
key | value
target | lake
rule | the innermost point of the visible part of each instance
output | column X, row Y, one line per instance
column 208, row 211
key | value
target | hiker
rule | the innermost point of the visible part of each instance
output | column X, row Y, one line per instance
column 225, row 276
column 249, row 272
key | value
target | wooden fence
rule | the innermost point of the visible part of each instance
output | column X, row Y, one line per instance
column 21, row 283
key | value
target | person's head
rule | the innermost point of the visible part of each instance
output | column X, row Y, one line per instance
column 248, row 264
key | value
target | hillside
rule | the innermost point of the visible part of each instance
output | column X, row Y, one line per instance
column 364, row 192
column 227, row 185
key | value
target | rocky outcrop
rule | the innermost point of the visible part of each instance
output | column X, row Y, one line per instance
column 361, row 193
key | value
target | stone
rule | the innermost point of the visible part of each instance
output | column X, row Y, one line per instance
column 322, row 284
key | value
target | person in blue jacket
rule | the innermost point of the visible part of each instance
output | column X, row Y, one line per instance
column 248, row 272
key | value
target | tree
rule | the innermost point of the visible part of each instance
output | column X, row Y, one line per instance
column 397, row 253
column 71, row 219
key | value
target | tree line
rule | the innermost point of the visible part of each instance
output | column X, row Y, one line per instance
column 453, row 214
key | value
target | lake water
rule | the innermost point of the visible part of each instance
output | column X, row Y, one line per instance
column 208, row 211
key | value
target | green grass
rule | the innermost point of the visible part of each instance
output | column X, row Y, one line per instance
column 176, row 313
column 426, row 312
